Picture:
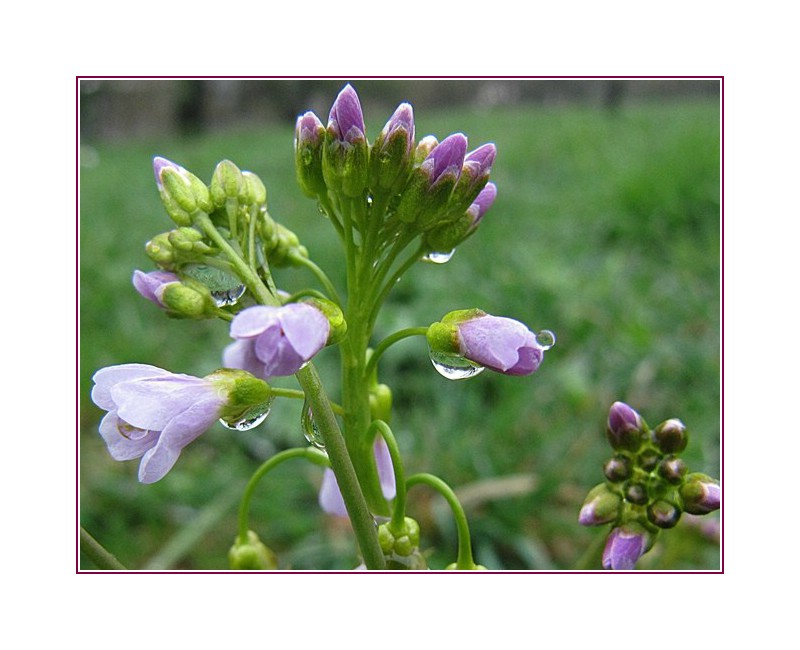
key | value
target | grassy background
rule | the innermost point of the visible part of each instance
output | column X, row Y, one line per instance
column 606, row 230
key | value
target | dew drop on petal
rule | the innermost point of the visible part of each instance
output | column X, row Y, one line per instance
column 251, row 418
column 546, row 339
column 310, row 428
column 435, row 257
column 454, row 367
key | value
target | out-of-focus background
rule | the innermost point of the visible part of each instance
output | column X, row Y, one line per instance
column 606, row 230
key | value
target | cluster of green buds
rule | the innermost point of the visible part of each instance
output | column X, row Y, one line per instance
column 195, row 278
column 436, row 190
column 647, row 487
column 400, row 545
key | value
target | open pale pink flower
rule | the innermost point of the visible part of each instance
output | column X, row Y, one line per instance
column 276, row 341
column 153, row 414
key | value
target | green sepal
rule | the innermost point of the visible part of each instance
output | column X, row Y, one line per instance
column 243, row 391
column 188, row 299
column 443, row 336
column 390, row 162
column 308, row 164
column 345, row 165
column 335, row 316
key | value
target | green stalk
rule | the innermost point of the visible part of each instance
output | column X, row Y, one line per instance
column 245, row 272
column 389, row 341
column 360, row 516
column 309, row 453
column 98, row 554
column 464, row 562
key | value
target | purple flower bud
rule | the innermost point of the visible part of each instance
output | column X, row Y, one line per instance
column 309, row 137
column 700, row 494
column 402, row 120
column 309, row 130
column 446, row 159
column 160, row 164
column 600, row 507
column 346, row 120
column 671, row 436
column 151, row 285
column 276, row 341
column 481, row 204
column 330, row 496
column 501, row 344
column 624, row 547
column 153, row 414
column 624, row 430
column 390, row 157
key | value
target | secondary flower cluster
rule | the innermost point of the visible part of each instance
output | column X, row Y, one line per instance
column 647, row 486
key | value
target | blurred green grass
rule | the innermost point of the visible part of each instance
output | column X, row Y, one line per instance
column 606, row 230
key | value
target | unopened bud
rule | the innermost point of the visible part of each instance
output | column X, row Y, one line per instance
column 672, row 469
column 309, row 137
column 187, row 300
column 671, row 436
column 600, row 507
column 663, row 514
column 625, row 427
column 251, row 555
column 226, row 183
column 618, row 469
column 253, row 192
column 700, row 494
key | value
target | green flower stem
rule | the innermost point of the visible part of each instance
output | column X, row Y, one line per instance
column 251, row 237
column 308, row 453
column 245, row 272
column 326, row 206
column 98, row 554
column 381, row 293
column 389, row 341
column 464, row 562
column 360, row 517
column 320, row 275
column 398, row 515
column 299, row 394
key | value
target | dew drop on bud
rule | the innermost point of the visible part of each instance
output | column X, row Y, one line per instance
column 310, row 428
column 228, row 297
column 546, row 339
column 251, row 419
column 454, row 367
column 438, row 258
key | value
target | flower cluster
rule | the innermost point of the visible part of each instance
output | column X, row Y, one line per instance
column 647, row 487
column 392, row 203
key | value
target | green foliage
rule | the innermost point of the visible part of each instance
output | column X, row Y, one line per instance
column 606, row 230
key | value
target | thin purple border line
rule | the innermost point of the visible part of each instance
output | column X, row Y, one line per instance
column 78, row 79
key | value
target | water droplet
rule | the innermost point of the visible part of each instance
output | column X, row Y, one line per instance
column 251, row 418
column 438, row 258
column 228, row 297
column 453, row 366
column 546, row 339
column 310, row 428
column 225, row 288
